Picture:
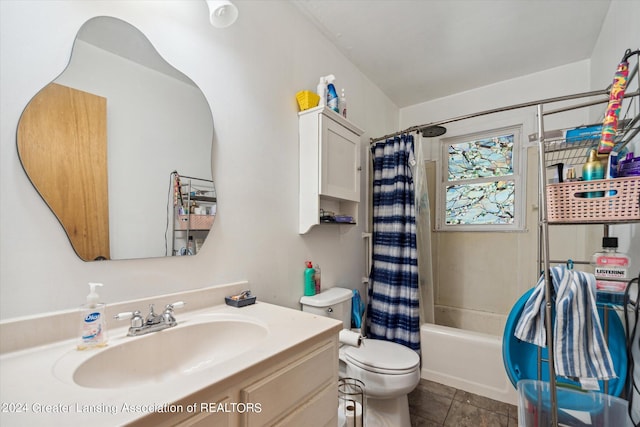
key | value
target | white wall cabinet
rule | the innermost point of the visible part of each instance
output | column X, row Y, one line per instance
column 329, row 166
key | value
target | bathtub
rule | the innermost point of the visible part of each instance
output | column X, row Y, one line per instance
column 467, row 360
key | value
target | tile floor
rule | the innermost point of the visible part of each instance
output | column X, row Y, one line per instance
column 436, row 405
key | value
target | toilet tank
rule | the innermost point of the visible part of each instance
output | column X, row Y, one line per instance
column 333, row 302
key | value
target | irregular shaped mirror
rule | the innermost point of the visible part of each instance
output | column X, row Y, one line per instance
column 119, row 147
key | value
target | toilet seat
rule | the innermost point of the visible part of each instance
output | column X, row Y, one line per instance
column 383, row 357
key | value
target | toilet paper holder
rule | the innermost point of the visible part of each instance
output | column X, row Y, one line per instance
column 351, row 404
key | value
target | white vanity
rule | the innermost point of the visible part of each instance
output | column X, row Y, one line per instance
column 224, row 366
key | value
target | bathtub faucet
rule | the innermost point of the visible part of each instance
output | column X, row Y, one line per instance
column 153, row 322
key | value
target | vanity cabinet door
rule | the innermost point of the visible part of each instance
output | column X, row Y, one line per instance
column 202, row 409
column 340, row 161
column 320, row 411
column 208, row 419
column 304, row 391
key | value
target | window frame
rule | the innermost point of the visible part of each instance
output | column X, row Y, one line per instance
column 518, row 166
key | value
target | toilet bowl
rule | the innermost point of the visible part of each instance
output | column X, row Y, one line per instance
column 389, row 371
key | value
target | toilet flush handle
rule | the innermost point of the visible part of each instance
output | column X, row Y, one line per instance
column 330, row 310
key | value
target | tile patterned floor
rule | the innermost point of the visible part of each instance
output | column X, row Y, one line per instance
column 436, row 405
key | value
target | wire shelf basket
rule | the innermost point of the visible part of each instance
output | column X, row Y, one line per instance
column 575, row 150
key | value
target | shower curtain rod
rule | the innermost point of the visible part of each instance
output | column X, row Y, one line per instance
column 508, row 108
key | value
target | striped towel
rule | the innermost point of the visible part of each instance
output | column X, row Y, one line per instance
column 579, row 345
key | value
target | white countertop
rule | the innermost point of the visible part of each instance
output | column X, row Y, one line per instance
column 31, row 393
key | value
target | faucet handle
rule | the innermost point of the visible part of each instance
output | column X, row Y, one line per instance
column 135, row 316
column 167, row 316
column 124, row 315
column 171, row 307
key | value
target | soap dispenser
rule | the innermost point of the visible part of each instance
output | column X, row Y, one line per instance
column 93, row 328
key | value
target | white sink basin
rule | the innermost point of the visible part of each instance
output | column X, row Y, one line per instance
column 160, row 356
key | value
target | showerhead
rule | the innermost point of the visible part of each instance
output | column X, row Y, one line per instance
column 433, row 131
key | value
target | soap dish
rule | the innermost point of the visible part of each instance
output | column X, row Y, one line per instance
column 240, row 302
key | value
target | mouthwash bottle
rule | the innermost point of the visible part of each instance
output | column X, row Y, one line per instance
column 610, row 264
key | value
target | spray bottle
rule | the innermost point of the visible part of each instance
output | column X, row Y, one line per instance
column 332, row 95
column 93, row 328
column 322, row 92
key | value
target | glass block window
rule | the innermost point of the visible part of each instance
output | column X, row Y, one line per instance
column 480, row 183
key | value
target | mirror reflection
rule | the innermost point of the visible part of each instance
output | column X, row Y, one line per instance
column 119, row 147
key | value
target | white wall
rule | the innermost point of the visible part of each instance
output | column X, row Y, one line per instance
column 476, row 273
column 249, row 74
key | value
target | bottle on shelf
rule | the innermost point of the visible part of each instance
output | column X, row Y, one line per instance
column 342, row 104
column 593, row 169
column 316, row 279
column 322, row 92
column 332, row 95
column 611, row 270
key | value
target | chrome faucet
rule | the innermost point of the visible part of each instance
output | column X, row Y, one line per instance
column 153, row 322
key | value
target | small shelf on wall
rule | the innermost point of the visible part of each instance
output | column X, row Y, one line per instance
column 329, row 167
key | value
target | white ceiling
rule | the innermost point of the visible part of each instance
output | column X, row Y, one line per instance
column 419, row 50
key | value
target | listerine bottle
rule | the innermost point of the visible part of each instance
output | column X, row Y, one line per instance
column 611, row 270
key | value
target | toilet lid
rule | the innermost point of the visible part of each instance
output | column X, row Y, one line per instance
column 383, row 357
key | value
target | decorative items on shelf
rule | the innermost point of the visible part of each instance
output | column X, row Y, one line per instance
column 326, row 95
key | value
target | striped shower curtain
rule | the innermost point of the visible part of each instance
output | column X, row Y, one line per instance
column 393, row 309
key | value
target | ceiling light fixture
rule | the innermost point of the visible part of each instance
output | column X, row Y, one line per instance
column 222, row 13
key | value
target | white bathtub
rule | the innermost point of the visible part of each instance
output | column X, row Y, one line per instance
column 467, row 360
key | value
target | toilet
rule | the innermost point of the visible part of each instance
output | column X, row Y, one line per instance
column 389, row 371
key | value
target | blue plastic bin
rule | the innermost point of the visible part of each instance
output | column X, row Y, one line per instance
column 521, row 358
